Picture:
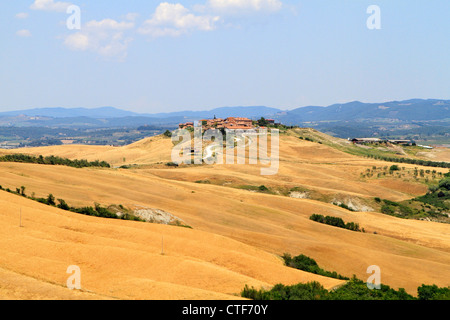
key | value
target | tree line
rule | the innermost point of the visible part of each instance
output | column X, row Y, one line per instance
column 335, row 222
column 304, row 263
column 53, row 160
column 426, row 163
column 354, row 289
column 438, row 195
column 96, row 211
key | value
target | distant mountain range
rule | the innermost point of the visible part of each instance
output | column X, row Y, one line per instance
column 96, row 113
column 408, row 110
column 247, row 112
column 110, row 113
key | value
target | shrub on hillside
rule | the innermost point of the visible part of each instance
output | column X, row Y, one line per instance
column 352, row 226
column 63, row 205
column 172, row 164
column 53, row 160
column 168, row 134
column 51, row 200
column 344, row 206
column 318, row 218
column 426, row 292
column 394, row 168
column 301, row 291
column 308, row 264
column 354, row 289
column 335, row 222
column 445, row 184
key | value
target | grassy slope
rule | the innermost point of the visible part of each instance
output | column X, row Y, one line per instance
column 149, row 150
column 121, row 259
column 409, row 252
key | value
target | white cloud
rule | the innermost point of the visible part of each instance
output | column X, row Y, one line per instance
column 111, row 38
column 245, row 5
column 174, row 20
column 106, row 38
column 109, row 24
column 77, row 41
column 50, row 5
column 132, row 16
column 23, row 33
column 22, row 15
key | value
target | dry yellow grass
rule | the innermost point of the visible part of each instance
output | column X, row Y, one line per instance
column 205, row 262
column 123, row 260
column 14, row 286
column 437, row 154
column 149, row 150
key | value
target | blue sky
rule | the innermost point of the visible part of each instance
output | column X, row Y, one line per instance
column 155, row 56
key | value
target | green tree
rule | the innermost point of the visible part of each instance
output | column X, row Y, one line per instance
column 445, row 184
column 426, row 292
column 63, row 205
column 263, row 122
column 51, row 200
column 394, row 168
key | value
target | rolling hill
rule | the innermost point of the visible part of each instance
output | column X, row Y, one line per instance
column 121, row 260
column 252, row 228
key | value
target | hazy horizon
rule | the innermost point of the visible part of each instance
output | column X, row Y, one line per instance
column 213, row 108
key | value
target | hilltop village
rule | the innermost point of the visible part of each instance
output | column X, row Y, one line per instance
column 229, row 123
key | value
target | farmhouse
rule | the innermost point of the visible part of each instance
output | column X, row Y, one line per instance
column 378, row 140
column 366, row 140
column 402, row 142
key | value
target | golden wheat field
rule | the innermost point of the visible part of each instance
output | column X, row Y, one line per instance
column 237, row 235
